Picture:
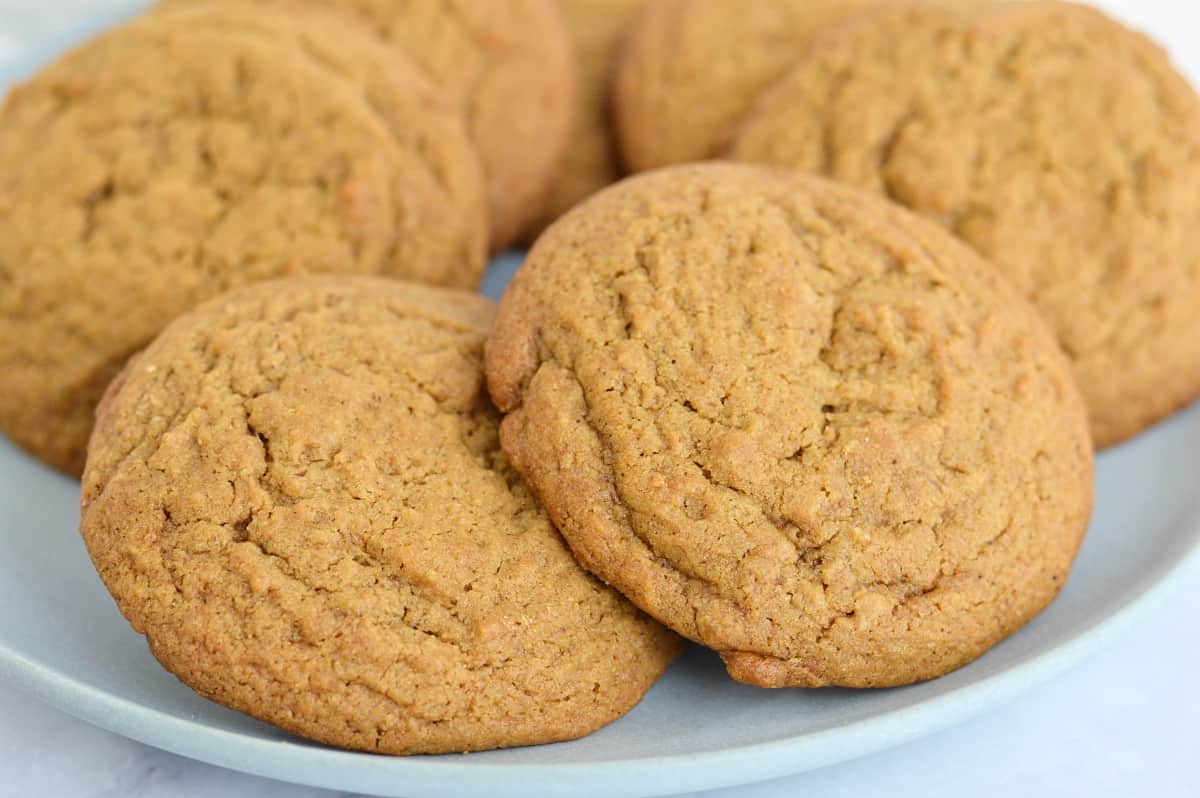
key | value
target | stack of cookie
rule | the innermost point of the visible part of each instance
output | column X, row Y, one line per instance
column 213, row 144
column 836, row 431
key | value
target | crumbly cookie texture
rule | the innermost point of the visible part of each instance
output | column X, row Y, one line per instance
column 597, row 28
column 1059, row 144
column 509, row 68
column 793, row 422
column 296, row 493
column 156, row 167
column 691, row 69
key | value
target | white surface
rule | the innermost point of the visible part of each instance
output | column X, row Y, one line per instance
column 1123, row 723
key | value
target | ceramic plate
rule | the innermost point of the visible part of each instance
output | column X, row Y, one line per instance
column 62, row 638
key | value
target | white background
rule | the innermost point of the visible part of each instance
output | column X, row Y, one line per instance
column 1125, row 723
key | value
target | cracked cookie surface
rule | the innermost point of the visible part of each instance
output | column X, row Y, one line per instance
column 157, row 166
column 296, row 493
column 793, row 422
column 1059, row 144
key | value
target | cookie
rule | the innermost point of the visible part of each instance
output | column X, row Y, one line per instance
column 510, row 69
column 1059, row 144
column 597, row 28
column 296, row 493
column 450, row 220
column 158, row 166
column 793, row 422
column 691, row 68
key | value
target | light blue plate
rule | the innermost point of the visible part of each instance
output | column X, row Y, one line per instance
column 62, row 638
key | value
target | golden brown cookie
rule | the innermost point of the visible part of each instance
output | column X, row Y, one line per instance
column 1059, row 144
column 597, row 28
column 794, row 423
column 452, row 221
column 508, row 66
column 296, row 493
column 158, row 166
column 691, row 68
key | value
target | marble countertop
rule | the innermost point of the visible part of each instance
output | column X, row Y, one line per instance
column 1124, row 723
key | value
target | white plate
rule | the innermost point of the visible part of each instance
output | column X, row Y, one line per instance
column 62, row 638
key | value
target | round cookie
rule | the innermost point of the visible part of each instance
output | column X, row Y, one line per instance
column 793, row 422
column 1059, row 144
column 156, row 167
column 510, row 69
column 447, row 212
column 597, row 28
column 296, row 493
column 691, row 68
